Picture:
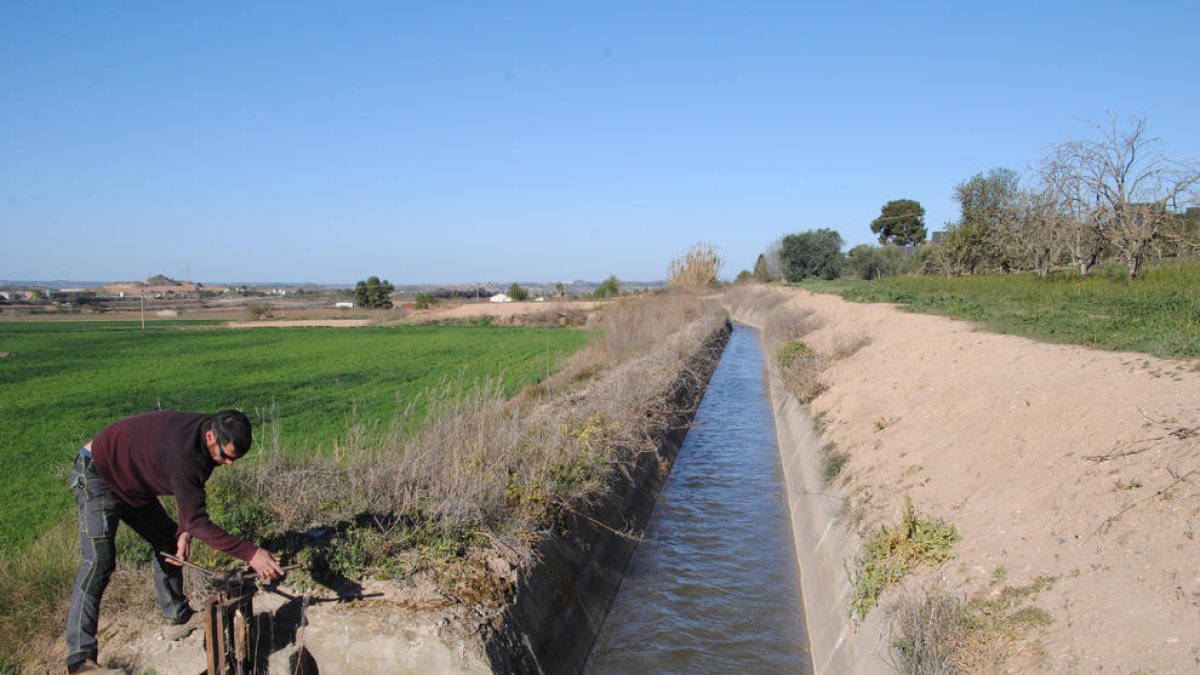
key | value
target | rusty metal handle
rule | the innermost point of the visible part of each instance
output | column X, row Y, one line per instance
column 213, row 573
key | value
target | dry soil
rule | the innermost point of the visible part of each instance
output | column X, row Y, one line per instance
column 1055, row 461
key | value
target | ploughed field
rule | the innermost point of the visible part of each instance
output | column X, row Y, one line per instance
column 61, row 382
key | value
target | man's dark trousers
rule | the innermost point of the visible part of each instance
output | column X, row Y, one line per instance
column 100, row 511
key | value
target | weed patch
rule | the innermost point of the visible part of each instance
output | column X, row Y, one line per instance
column 892, row 551
column 833, row 460
column 938, row 632
column 800, row 367
column 884, row 422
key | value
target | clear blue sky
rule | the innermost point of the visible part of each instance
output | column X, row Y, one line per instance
column 443, row 142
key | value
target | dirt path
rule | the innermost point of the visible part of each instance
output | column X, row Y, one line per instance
column 1078, row 465
column 301, row 323
column 499, row 310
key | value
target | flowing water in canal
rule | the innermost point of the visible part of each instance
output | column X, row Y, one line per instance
column 714, row 586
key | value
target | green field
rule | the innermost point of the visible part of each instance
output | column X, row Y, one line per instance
column 60, row 383
column 1157, row 314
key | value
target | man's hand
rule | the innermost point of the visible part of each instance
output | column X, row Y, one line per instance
column 183, row 547
column 266, row 565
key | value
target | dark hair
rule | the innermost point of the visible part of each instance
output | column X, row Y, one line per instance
column 233, row 426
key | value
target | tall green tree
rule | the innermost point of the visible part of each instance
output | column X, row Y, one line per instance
column 609, row 288
column 373, row 293
column 815, row 253
column 761, row 272
column 993, row 209
column 867, row 262
column 517, row 293
column 901, row 222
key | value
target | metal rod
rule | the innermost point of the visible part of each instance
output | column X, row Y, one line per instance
column 214, row 573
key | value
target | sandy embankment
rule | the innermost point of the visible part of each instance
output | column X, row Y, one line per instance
column 998, row 435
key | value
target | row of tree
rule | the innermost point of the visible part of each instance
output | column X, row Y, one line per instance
column 1113, row 197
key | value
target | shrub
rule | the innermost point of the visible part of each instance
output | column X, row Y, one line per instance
column 259, row 310
column 425, row 300
column 233, row 503
column 517, row 293
column 609, row 288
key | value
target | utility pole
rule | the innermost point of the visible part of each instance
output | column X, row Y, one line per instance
column 143, row 309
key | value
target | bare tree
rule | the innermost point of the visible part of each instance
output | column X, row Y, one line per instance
column 774, row 262
column 1044, row 228
column 1125, row 188
column 1083, row 227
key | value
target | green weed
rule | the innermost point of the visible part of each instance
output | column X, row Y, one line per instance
column 884, row 423
column 791, row 352
column 1131, row 484
column 891, row 552
column 833, row 461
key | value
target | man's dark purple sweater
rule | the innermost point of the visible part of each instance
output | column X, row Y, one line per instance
column 163, row 453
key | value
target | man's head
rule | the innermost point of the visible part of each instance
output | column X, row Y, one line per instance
column 228, row 437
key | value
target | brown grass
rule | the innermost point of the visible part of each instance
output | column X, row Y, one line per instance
column 936, row 632
column 33, row 605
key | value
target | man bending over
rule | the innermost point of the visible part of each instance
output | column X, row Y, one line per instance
column 119, row 476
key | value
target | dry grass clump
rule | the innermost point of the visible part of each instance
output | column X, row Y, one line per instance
column 633, row 326
column 34, row 607
column 755, row 298
column 845, row 346
column 790, row 323
column 697, row 267
column 939, row 633
column 36, row 573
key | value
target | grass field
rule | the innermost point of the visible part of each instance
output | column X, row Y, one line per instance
column 1157, row 314
column 61, row 382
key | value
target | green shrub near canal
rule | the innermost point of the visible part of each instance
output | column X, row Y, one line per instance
column 60, row 383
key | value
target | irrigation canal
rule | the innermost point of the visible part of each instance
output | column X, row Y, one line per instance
column 714, row 585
